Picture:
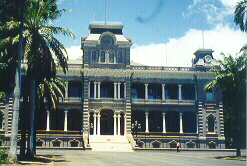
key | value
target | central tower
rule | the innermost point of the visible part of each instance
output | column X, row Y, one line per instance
column 106, row 46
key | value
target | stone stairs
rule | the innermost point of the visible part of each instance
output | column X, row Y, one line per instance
column 110, row 143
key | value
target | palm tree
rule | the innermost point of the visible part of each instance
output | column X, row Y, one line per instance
column 241, row 18
column 241, row 15
column 231, row 79
column 41, row 49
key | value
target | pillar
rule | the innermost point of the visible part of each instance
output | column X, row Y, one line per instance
column 147, row 130
column 118, row 124
column 115, row 123
column 164, row 122
column 181, row 122
column 94, row 123
column 98, row 125
column 197, row 128
column 163, row 92
column 65, row 120
column 94, row 91
column 146, row 91
column 118, row 94
column 115, row 90
column 99, row 89
column 179, row 92
column 88, row 89
column 124, row 124
column 66, row 89
column 48, row 121
column 125, row 90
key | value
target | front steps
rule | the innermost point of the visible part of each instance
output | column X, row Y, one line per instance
column 110, row 143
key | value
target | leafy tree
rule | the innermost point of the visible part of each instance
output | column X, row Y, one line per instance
column 231, row 79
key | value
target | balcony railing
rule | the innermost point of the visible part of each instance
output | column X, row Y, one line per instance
column 71, row 99
column 107, row 99
column 162, row 68
column 159, row 101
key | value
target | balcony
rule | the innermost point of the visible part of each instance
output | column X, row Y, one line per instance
column 159, row 101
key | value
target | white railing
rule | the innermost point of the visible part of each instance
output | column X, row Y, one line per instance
column 71, row 99
column 159, row 101
column 162, row 68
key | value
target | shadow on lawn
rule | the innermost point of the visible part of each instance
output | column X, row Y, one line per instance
column 241, row 158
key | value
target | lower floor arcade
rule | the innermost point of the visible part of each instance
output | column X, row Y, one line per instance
column 110, row 122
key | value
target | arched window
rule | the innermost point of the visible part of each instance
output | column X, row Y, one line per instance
column 93, row 56
column 120, row 57
column 111, row 57
column 102, row 57
column 211, row 123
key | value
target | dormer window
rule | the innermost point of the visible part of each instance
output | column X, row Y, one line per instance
column 120, row 57
column 93, row 57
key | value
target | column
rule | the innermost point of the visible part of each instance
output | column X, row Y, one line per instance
column 99, row 89
column 197, row 128
column 48, row 121
column 94, row 91
column 147, row 130
column 94, row 123
column 98, row 125
column 163, row 92
column 179, row 92
column 88, row 89
column 65, row 120
column 146, row 91
column 118, row 124
column 115, row 90
column 66, row 89
column 115, row 123
column 181, row 122
column 118, row 94
column 124, row 124
column 164, row 122
column 125, row 90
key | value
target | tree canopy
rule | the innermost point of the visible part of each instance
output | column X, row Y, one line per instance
column 231, row 79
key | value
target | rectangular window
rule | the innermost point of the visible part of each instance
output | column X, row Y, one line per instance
column 209, row 94
column 93, row 56
column 111, row 57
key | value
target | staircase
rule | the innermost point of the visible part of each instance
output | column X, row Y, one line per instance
column 110, row 143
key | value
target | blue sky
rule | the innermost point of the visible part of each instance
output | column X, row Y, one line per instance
column 160, row 29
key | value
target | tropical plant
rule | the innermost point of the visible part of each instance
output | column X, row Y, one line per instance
column 41, row 50
column 231, row 79
column 241, row 15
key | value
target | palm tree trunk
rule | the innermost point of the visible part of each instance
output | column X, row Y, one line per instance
column 23, row 120
column 30, row 148
column 17, row 94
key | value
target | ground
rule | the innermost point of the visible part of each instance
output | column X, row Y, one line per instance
column 139, row 158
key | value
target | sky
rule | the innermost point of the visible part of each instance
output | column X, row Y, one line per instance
column 163, row 32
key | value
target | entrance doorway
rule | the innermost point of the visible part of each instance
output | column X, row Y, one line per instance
column 106, row 122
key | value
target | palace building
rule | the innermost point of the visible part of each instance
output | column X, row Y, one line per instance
column 112, row 103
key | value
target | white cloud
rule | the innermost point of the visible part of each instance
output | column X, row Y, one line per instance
column 230, row 3
column 74, row 52
column 180, row 50
column 214, row 13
